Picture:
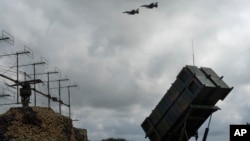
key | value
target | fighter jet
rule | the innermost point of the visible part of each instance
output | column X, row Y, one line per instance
column 151, row 5
column 132, row 12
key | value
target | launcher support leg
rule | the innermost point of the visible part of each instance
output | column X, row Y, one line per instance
column 196, row 136
column 207, row 130
column 183, row 134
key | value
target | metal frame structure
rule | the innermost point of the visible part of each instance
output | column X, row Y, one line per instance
column 186, row 106
column 17, row 56
column 59, row 90
column 10, row 39
column 34, row 69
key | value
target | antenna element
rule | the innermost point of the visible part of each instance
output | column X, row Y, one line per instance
column 193, row 52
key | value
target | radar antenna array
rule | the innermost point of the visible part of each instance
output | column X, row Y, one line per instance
column 7, row 37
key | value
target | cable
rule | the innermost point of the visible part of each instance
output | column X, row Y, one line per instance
column 9, row 68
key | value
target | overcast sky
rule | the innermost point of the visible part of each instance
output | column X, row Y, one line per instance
column 124, row 64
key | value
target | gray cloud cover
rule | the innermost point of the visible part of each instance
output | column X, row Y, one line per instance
column 124, row 64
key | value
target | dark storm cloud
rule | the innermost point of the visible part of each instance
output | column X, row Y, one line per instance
column 109, row 40
column 105, row 87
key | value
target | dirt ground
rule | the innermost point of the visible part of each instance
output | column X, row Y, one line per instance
column 38, row 124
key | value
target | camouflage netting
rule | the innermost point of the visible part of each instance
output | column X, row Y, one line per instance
column 37, row 124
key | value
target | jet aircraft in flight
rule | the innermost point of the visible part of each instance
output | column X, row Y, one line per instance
column 132, row 12
column 151, row 5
